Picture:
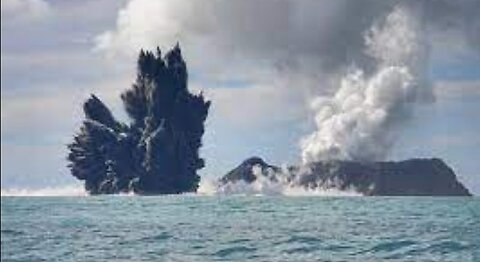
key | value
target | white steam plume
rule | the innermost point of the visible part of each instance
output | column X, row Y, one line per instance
column 271, row 184
column 360, row 120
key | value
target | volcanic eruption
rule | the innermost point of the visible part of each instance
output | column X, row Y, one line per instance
column 158, row 151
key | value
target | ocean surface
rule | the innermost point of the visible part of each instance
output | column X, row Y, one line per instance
column 239, row 228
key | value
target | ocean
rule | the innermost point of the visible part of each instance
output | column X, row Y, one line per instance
column 240, row 228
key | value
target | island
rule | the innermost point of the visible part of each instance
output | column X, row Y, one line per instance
column 412, row 177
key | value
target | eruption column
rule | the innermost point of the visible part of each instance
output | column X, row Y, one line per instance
column 360, row 121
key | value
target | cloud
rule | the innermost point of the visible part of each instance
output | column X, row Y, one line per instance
column 304, row 48
column 327, row 34
column 24, row 11
column 297, row 49
column 283, row 35
column 286, row 50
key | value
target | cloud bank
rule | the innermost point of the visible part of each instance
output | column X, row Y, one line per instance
column 20, row 11
column 365, row 74
column 310, row 36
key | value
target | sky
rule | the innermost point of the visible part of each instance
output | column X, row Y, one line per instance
column 261, row 63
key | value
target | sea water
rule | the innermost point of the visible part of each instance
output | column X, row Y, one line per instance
column 240, row 228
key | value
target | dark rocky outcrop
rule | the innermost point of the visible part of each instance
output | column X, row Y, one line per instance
column 158, row 152
column 245, row 171
column 413, row 177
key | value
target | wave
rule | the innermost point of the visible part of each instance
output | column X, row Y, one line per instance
column 67, row 190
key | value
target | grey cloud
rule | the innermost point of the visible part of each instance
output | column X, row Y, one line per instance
column 328, row 34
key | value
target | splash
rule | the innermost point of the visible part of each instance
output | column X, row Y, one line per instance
column 269, row 188
column 360, row 121
column 207, row 187
column 68, row 190
column 270, row 183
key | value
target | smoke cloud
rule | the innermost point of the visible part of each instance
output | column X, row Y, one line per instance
column 366, row 61
column 359, row 121
column 315, row 37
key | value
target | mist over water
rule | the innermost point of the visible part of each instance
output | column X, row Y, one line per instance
column 66, row 190
column 263, row 186
column 207, row 187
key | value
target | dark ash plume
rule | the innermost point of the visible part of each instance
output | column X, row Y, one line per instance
column 158, row 152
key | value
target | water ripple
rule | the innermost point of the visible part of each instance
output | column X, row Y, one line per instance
column 189, row 228
column 225, row 252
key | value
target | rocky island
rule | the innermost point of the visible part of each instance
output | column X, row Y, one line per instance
column 413, row 177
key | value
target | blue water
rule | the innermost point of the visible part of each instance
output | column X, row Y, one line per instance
column 239, row 228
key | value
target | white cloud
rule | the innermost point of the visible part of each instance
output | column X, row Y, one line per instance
column 17, row 11
column 237, row 38
column 328, row 33
column 140, row 24
column 287, row 47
